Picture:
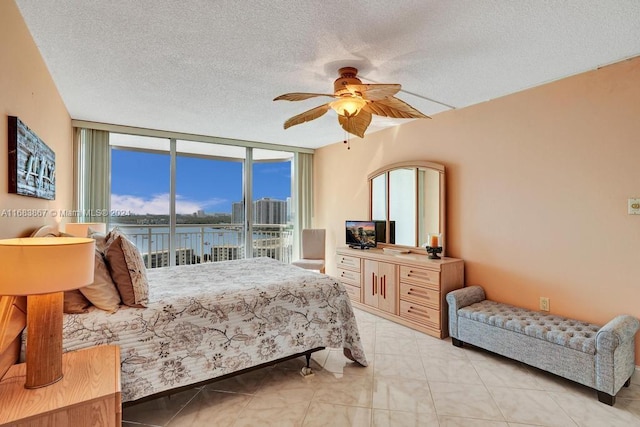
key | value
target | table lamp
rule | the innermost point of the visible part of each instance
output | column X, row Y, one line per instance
column 81, row 229
column 42, row 268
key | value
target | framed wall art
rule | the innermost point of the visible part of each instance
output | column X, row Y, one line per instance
column 32, row 164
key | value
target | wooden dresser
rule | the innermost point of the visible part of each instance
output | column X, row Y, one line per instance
column 87, row 395
column 409, row 289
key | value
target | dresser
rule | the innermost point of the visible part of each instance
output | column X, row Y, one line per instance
column 87, row 395
column 409, row 289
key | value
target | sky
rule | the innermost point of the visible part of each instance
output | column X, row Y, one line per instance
column 140, row 183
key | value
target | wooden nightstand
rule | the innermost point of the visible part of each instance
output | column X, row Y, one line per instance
column 87, row 395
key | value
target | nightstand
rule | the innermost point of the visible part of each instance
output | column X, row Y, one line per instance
column 87, row 395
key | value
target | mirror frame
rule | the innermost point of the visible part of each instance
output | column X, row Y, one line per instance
column 411, row 165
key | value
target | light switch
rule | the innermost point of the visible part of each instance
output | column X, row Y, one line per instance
column 634, row 207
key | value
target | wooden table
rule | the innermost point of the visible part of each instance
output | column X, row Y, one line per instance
column 87, row 395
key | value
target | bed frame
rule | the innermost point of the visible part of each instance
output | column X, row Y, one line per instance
column 305, row 372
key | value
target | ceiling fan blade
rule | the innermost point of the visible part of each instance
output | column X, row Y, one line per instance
column 374, row 92
column 300, row 96
column 357, row 124
column 393, row 107
column 307, row 116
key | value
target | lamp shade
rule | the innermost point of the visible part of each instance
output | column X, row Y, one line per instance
column 42, row 265
column 348, row 106
column 81, row 229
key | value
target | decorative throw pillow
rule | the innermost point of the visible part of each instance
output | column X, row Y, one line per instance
column 75, row 302
column 127, row 270
column 102, row 292
column 100, row 238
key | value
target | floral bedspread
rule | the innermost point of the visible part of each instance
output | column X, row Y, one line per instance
column 212, row 319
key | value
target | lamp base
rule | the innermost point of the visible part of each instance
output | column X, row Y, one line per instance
column 44, row 339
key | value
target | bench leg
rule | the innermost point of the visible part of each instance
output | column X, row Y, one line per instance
column 606, row 398
column 456, row 342
column 628, row 383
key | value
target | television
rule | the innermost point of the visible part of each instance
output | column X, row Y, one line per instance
column 381, row 231
column 360, row 234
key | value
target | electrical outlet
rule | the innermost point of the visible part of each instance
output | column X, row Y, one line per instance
column 634, row 207
column 544, row 303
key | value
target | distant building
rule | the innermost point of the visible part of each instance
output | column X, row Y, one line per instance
column 161, row 258
column 237, row 213
column 269, row 211
column 226, row 253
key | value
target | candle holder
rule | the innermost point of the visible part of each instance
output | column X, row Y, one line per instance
column 433, row 245
column 433, row 251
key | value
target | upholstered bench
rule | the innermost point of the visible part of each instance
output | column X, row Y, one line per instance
column 598, row 357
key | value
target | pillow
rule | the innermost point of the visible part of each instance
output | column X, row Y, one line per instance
column 127, row 270
column 100, row 238
column 102, row 292
column 75, row 302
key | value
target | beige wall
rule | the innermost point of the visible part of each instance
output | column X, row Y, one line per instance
column 27, row 91
column 537, row 192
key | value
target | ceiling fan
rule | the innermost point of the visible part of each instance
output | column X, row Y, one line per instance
column 355, row 102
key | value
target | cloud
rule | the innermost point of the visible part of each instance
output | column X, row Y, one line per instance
column 158, row 204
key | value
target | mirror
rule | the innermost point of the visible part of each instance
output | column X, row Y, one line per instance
column 408, row 198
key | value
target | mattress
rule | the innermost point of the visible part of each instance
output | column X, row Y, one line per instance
column 208, row 320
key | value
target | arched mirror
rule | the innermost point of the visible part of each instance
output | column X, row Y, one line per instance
column 407, row 202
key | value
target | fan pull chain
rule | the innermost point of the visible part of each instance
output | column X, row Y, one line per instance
column 346, row 140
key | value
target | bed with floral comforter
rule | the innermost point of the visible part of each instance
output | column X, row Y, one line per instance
column 208, row 320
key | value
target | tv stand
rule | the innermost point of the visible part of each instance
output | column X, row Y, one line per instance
column 361, row 247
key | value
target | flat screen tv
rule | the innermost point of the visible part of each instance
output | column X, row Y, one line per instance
column 381, row 231
column 361, row 234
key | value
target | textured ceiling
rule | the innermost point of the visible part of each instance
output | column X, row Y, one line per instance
column 213, row 67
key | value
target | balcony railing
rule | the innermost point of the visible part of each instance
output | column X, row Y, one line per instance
column 198, row 243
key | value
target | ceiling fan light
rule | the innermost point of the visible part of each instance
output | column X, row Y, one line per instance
column 348, row 106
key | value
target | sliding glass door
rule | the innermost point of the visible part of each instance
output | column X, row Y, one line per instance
column 209, row 194
column 272, row 204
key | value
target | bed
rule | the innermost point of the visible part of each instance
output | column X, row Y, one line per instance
column 211, row 320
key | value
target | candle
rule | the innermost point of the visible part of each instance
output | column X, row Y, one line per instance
column 433, row 240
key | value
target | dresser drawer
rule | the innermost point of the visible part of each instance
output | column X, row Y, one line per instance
column 354, row 292
column 420, row 314
column 350, row 277
column 420, row 295
column 348, row 262
column 421, row 276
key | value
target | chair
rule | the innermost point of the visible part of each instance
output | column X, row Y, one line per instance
column 313, row 242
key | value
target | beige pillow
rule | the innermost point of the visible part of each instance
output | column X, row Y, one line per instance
column 100, row 238
column 102, row 292
column 75, row 302
column 127, row 270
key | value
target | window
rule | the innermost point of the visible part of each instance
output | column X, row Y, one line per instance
column 272, row 205
column 208, row 192
column 202, row 216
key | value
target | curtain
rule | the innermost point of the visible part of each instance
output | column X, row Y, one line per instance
column 92, row 164
column 303, row 195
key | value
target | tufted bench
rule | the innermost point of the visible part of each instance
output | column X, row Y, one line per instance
column 598, row 357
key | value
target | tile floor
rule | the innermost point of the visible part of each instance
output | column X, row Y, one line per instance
column 412, row 380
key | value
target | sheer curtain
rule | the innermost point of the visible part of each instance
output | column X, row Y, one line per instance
column 303, row 191
column 92, row 165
